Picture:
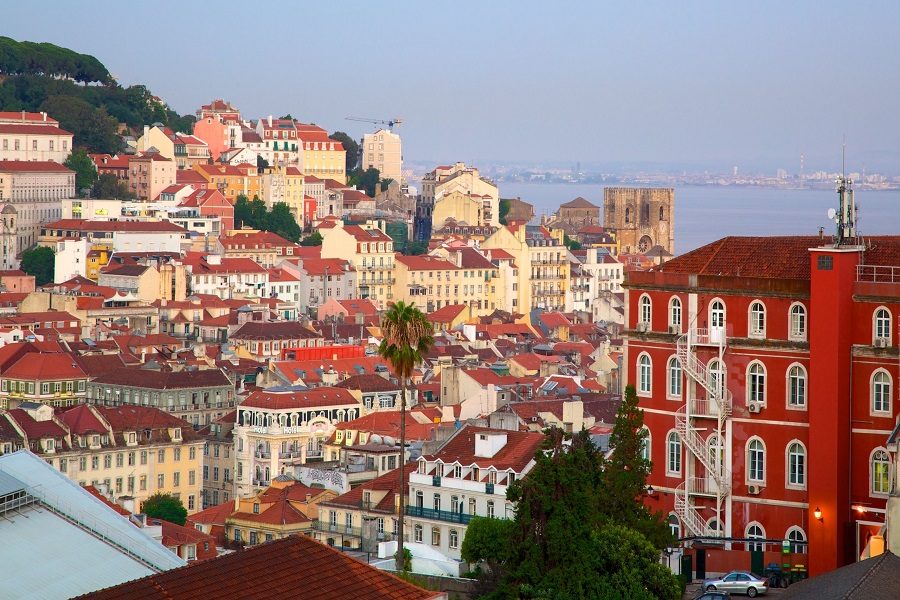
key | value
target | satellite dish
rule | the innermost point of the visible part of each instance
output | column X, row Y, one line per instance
column 375, row 438
column 389, row 440
column 831, row 214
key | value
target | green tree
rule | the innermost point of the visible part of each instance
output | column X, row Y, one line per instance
column 504, row 210
column 166, row 507
column 415, row 247
column 487, row 543
column 282, row 222
column 350, row 146
column 407, row 337
column 286, row 117
column 367, row 180
column 92, row 127
column 40, row 262
column 314, row 239
column 242, row 213
column 386, row 183
column 110, row 186
column 570, row 243
column 85, row 171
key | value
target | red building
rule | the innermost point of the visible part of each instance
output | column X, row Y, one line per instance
column 767, row 370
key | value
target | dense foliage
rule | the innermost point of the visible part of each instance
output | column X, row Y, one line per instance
column 110, row 186
column 166, row 507
column 504, row 210
column 44, row 77
column 368, row 180
column 255, row 215
column 581, row 529
column 40, row 262
column 314, row 239
column 85, row 171
column 570, row 243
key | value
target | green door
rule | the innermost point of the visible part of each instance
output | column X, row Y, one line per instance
column 757, row 563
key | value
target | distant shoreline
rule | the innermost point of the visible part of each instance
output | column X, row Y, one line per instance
column 824, row 186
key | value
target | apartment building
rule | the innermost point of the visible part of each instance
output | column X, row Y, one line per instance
column 48, row 378
column 321, row 156
column 371, row 252
column 214, row 275
column 35, row 190
column 149, row 174
column 31, row 136
column 382, row 150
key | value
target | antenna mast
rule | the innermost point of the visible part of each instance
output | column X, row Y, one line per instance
column 846, row 213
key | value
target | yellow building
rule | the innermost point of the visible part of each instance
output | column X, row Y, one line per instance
column 458, row 177
column 320, row 155
column 232, row 180
column 370, row 250
column 134, row 451
column 283, row 184
column 461, row 208
column 542, row 261
column 159, row 138
column 97, row 258
column 382, row 150
column 282, row 509
column 460, row 276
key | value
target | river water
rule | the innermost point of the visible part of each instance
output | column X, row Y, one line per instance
column 706, row 213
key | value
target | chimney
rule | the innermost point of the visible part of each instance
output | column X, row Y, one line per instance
column 270, row 120
column 44, row 115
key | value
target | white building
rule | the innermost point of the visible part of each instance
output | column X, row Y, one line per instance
column 33, row 136
column 91, row 209
column 382, row 150
column 467, row 477
column 70, row 259
column 226, row 277
column 282, row 427
column 125, row 236
column 36, row 190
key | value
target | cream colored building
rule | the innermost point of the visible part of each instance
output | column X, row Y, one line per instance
column 320, row 155
column 458, row 177
column 542, row 261
column 371, row 252
column 159, row 138
column 150, row 174
column 33, row 136
column 382, row 150
column 284, row 184
column 461, row 208
column 36, row 190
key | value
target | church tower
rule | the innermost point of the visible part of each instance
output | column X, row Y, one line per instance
column 641, row 217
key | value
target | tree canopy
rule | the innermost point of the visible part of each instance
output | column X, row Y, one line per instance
column 314, row 239
column 351, row 146
column 166, row 507
column 368, row 180
column 85, row 171
column 255, row 215
column 570, row 243
column 110, row 186
column 31, row 58
column 504, row 210
column 40, row 262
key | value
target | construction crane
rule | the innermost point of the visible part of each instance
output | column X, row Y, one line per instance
column 390, row 124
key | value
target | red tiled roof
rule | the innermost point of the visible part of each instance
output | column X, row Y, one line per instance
column 28, row 129
column 81, row 420
column 446, row 314
column 532, row 361
column 85, row 225
column 354, row 307
column 273, row 330
column 369, row 382
column 36, row 430
column 22, row 116
column 426, row 263
column 554, row 319
column 317, row 266
column 313, row 398
column 214, row 515
column 199, row 264
column 44, row 367
column 388, row 423
column 165, row 380
column 579, row 202
column 253, row 240
column 765, row 257
column 307, row 370
column 295, row 566
column 389, row 482
column 31, row 166
column 518, row 451
column 367, row 235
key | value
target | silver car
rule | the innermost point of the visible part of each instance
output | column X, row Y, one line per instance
column 738, row 582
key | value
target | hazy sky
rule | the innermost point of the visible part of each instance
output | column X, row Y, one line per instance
column 693, row 83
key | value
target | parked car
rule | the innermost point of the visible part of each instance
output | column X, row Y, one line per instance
column 713, row 596
column 737, row 582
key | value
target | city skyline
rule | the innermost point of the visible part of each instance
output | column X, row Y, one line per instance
column 595, row 84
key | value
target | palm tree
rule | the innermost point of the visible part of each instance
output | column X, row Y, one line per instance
column 406, row 337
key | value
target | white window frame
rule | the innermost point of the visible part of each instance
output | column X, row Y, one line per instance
column 873, row 410
column 675, row 310
column 671, row 436
column 647, row 448
column 801, row 485
column 761, row 534
column 803, row 542
column 670, row 378
column 749, row 475
column 789, row 387
column 798, row 333
column 712, row 312
column 645, row 309
column 760, row 398
column 756, row 319
column 645, row 374
column 872, row 455
column 876, row 324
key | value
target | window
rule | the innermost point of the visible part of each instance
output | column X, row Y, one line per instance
column 457, row 472
column 881, row 471
column 882, row 324
column 798, row 322
column 717, row 314
column 435, row 536
column 797, row 538
column 755, row 531
column 417, row 533
column 881, row 392
column 454, row 539
column 490, row 509
column 675, row 312
column 437, row 502
column 674, row 377
column 716, row 377
column 673, row 445
column 645, row 309
column 796, row 467
column 644, row 373
column 757, row 325
column 253, row 538
column 645, row 445
column 756, row 461
column 237, row 535
column 674, row 526
column 796, row 387
column 756, row 383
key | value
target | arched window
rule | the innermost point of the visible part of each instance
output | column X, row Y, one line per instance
column 881, row 391
column 797, row 537
column 716, row 372
column 796, row 385
column 645, row 309
column 645, row 371
column 674, row 526
column 420, row 499
column 756, row 383
column 675, row 312
column 454, row 539
column 628, row 214
column 756, row 461
column 881, row 471
column 717, row 314
column 757, row 325
column 755, row 532
column 714, row 526
column 673, row 369
column 796, row 464
column 882, row 324
column 662, row 213
column 798, row 322
column 645, row 444
column 715, row 452
column 673, row 460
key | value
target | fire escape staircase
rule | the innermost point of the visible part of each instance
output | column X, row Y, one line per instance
column 715, row 409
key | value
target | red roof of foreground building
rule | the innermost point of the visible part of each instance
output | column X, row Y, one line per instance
column 31, row 166
column 22, row 116
column 447, row 313
column 316, row 266
column 81, row 420
column 288, row 399
column 44, row 367
column 295, row 566
column 85, row 225
column 765, row 257
column 388, row 423
column 518, row 451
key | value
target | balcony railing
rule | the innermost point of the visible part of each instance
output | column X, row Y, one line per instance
column 438, row 515
column 878, row 273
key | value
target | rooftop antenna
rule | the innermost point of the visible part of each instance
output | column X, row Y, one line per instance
column 845, row 216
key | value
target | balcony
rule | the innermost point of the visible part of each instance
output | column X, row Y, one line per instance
column 259, row 454
column 489, row 488
column 438, row 515
column 436, row 481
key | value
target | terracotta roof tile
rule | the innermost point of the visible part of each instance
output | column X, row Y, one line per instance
column 287, row 399
column 518, row 451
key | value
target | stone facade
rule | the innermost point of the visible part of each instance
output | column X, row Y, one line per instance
column 641, row 217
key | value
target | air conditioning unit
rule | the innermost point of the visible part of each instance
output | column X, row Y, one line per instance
column 754, row 490
column 643, row 326
column 674, row 329
column 755, row 407
column 881, row 342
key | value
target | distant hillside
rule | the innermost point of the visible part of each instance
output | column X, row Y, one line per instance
column 78, row 90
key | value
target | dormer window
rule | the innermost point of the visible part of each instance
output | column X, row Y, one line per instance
column 256, row 508
column 492, row 476
column 132, row 438
column 422, row 467
column 95, row 441
column 457, row 472
column 50, row 445
column 176, row 434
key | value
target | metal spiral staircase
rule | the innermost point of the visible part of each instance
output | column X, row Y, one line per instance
column 710, row 414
